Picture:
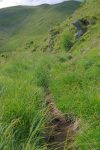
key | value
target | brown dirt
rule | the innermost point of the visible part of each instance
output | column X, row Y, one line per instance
column 60, row 130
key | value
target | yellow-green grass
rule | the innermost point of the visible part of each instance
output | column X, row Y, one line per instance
column 73, row 79
column 23, row 113
column 22, row 24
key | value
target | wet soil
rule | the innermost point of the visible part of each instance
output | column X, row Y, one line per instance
column 60, row 130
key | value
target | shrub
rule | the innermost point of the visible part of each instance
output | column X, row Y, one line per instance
column 66, row 42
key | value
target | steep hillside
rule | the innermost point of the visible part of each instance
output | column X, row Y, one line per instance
column 89, row 13
column 49, row 95
column 31, row 23
column 75, row 79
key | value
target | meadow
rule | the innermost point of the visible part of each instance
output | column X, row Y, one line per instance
column 72, row 76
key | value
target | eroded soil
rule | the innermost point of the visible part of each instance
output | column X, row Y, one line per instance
column 60, row 130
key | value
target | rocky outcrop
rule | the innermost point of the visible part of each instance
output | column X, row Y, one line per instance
column 81, row 25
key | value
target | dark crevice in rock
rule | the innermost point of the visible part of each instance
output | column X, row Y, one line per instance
column 81, row 25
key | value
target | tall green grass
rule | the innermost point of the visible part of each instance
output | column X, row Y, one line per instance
column 23, row 111
column 76, row 91
column 72, row 78
column 74, row 85
column 22, row 102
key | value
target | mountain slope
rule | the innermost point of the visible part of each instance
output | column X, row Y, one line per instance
column 31, row 22
column 75, row 79
column 63, row 74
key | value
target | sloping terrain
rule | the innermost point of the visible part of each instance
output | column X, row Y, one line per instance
column 52, row 90
column 32, row 23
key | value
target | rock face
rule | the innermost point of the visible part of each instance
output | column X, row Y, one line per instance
column 82, row 24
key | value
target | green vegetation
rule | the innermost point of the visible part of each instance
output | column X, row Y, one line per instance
column 42, row 76
column 22, row 24
column 21, row 101
column 66, row 42
column 72, row 76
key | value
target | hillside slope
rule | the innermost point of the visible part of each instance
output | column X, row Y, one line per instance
column 66, row 72
column 75, row 80
column 31, row 22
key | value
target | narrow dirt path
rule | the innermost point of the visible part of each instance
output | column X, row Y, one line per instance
column 60, row 130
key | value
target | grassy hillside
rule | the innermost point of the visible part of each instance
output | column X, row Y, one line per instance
column 32, row 23
column 69, row 68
